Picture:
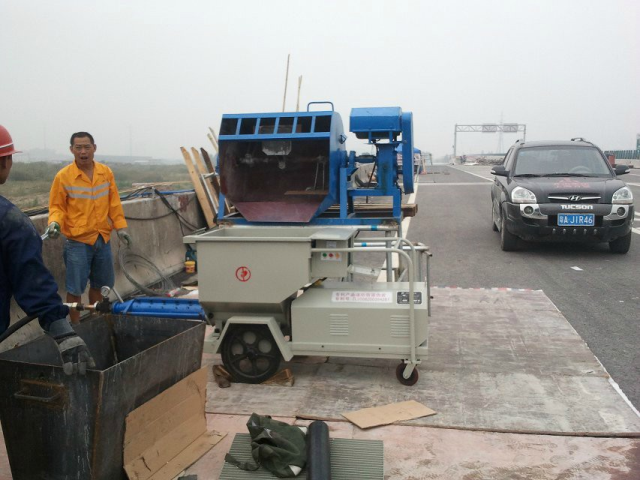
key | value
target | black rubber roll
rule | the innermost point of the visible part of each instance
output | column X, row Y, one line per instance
column 318, row 454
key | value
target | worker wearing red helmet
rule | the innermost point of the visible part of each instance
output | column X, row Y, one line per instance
column 24, row 276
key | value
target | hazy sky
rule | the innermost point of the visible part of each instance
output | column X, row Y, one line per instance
column 166, row 70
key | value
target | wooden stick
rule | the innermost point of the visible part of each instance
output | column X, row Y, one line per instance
column 286, row 81
column 299, row 88
column 210, row 137
column 215, row 137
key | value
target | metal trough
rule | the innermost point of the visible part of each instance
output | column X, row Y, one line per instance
column 58, row 427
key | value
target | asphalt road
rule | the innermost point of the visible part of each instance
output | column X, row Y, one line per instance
column 601, row 299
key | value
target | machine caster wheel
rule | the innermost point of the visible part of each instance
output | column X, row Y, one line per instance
column 250, row 354
column 412, row 380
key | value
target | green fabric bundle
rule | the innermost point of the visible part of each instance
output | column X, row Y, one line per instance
column 277, row 446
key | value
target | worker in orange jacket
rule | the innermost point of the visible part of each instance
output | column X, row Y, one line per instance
column 84, row 205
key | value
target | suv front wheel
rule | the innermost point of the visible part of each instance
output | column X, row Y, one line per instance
column 508, row 241
column 621, row 245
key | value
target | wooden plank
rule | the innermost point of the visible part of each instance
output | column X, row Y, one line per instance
column 215, row 181
column 207, row 160
column 207, row 183
column 197, row 185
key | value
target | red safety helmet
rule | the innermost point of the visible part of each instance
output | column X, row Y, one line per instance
column 6, row 143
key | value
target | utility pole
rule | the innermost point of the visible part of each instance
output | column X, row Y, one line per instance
column 286, row 81
column 455, row 139
column 500, row 146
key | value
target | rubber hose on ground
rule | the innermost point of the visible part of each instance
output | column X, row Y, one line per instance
column 318, row 452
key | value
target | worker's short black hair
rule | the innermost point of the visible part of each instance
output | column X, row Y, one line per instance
column 82, row 135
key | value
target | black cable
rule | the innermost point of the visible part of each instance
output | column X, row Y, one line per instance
column 159, row 216
column 16, row 326
column 170, row 207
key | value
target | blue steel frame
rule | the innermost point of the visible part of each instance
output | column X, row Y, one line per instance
column 380, row 126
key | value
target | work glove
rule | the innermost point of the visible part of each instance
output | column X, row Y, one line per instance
column 74, row 352
column 124, row 236
column 53, row 230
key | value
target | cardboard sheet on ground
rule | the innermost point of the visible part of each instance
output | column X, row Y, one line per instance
column 394, row 412
column 169, row 432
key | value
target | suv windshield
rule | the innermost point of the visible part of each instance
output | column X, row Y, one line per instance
column 560, row 161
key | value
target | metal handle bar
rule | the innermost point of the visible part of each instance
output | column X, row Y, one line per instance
column 320, row 103
column 22, row 396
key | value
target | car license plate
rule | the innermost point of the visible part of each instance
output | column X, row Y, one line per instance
column 576, row 220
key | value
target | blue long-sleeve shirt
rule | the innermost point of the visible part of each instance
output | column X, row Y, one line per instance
column 23, row 274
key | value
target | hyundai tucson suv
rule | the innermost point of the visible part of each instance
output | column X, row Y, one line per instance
column 561, row 191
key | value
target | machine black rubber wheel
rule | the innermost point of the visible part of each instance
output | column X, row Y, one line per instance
column 508, row 241
column 412, row 380
column 621, row 245
column 250, row 354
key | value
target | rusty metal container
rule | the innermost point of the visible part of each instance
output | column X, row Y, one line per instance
column 58, row 427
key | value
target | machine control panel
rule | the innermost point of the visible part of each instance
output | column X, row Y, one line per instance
column 329, row 264
column 403, row 298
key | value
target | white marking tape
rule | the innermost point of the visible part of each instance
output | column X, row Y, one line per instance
column 476, row 174
column 457, row 184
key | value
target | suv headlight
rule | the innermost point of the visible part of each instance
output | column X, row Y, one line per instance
column 623, row 196
column 522, row 195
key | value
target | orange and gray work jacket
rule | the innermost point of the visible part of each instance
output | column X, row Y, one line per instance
column 86, row 208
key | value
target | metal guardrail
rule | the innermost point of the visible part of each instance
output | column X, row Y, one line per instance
column 624, row 154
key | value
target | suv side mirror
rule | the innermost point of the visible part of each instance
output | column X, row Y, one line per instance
column 621, row 169
column 500, row 171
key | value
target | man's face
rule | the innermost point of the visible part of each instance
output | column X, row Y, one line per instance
column 83, row 151
column 5, row 168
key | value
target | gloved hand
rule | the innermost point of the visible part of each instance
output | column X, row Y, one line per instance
column 124, row 236
column 74, row 352
column 53, row 230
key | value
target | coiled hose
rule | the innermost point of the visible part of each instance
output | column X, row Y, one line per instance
column 131, row 260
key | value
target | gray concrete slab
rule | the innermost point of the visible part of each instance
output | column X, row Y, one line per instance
column 500, row 360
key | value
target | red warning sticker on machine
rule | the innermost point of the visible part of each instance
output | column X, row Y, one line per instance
column 243, row 274
column 362, row 297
